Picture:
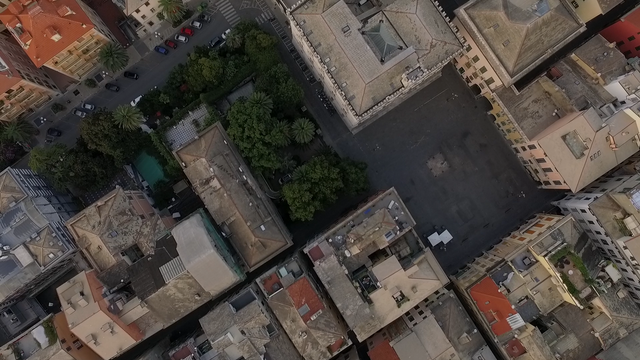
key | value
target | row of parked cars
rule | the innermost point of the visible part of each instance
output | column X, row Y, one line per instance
column 184, row 34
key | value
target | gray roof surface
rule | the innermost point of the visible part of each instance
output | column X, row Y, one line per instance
column 233, row 197
column 201, row 255
column 146, row 277
column 520, row 32
column 602, row 58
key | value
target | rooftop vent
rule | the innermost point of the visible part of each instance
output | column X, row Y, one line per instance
column 34, row 9
column 52, row 34
column 346, row 29
column 64, row 10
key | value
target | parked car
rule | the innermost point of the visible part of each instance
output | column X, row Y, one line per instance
column 183, row 39
column 215, row 42
column 112, row 87
column 187, row 31
column 170, row 44
column 196, row 24
column 131, row 75
column 204, row 18
column 285, row 179
column 87, row 106
column 78, row 112
column 161, row 50
column 226, row 33
column 54, row 132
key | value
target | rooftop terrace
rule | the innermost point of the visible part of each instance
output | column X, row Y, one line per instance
column 374, row 265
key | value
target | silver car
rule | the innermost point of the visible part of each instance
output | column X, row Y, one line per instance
column 183, row 39
column 79, row 112
column 196, row 24
column 88, row 106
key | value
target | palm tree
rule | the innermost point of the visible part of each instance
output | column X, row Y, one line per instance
column 173, row 10
column 302, row 130
column 17, row 131
column 280, row 134
column 262, row 101
column 113, row 57
column 128, row 117
column 235, row 39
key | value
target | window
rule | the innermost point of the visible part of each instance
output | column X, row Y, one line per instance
column 598, row 232
column 531, row 147
column 475, row 59
column 620, row 43
column 483, row 70
column 604, row 242
column 557, row 182
column 77, row 344
column 637, row 48
column 137, row 11
column 627, row 53
column 150, row 23
column 143, row 17
column 575, row 4
column 547, row 170
column 591, row 222
column 546, row 183
column 583, row 211
column 152, row 10
column 490, row 81
column 541, row 161
column 631, row 38
column 146, row 4
column 461, row 70
column 467, row 48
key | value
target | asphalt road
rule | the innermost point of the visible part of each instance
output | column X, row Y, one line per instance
column 153, row 68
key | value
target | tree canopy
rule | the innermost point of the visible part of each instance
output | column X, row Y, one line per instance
column 128, row 117
column 113, row 57
column 278, row 84
column 101, row 133
column 319, row 182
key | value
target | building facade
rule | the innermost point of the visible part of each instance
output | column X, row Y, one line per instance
column 515, row 37
column 23, row 87
column 39, row 246
column 367, row 67
column 65, row 35
column 625, row 33
column 144, row 14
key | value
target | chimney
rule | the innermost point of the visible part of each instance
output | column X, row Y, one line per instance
column 25, row 2
column 13, row 22
column 26, row 38
column 52, row 34
column 64, row 10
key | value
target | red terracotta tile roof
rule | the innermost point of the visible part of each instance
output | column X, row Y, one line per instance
column 383, row 351
column 9, row 78
column 514, row 348
column 302, row 293
column 336, row 345
column 493, row 304
column 39, row 15
column 316, row 253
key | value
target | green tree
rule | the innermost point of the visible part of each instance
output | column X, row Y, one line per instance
column 91, row 83
column 278, row 84
column 354, row 176
column 235, row 40
column 17, row 131
column 315, row 185
column 302, row 130
column 164, row 98
column 251, row 127
column 173, row 10
column 262, row 101
column 128, row 117
column 153, row 102
column 280, row 134
column 88, row 169
column 113, row 57
column 49, row 162
column 261, row 49
column 101, row 133
column 203, row 72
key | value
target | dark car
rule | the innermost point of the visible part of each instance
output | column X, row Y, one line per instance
column 161, row 50
column 215, row 42
column 112, row 87
column 187, row 31
column 131, row 75
column 54, row 132
column 204, row 18
column 171, row 44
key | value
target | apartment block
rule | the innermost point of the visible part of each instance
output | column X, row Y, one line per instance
column 437, row 328
column 608, row 213
column 625, row 33
column 37, row 248
column 538, row 289
column 374, row 266
column 145, row 14
column 233, row 197
column 587, row 10
column 101, row 319
column 473, row 66
column 116, row 231
column 312, row 323
column 515, row 37
column 371, row 56
column 23, row 87
column 243, row 328
column 64, row 35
